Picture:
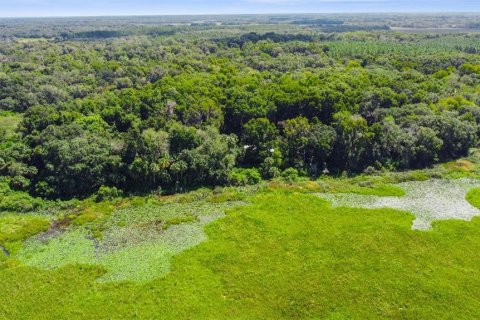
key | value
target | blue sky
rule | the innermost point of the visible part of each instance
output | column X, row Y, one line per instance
column 24, row 8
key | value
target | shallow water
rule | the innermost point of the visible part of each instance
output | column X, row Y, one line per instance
column 435, row 199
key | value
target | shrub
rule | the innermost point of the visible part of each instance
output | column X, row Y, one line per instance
column 196, row 195
column 370, row 170
column 19, row 202
column 243, row 177
column 107, row 193
column 4, row 188
column 19, row 183
column 290, row 175
column 227, row 194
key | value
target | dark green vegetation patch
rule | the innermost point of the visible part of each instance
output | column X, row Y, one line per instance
column 106, row 105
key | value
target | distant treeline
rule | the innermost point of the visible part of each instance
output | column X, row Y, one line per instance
column 352, row 28
column 89, row 27
column 95, row 34
column 106, row 34
column 318, row 21
column 254, row 37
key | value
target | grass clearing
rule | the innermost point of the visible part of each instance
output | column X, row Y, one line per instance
column 8, row 123
column 32, row 40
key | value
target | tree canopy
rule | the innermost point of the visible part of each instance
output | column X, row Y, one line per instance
column 194, row 105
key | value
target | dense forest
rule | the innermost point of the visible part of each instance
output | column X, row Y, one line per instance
column 167, row 107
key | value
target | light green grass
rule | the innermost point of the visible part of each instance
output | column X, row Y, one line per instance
column 287, row 255
column 473, row 196
column 366, row 185
column 8, row 124
column 14, row 229
column 32, row 40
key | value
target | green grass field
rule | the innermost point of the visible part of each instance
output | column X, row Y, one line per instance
column 283, row 255
column 8, row 123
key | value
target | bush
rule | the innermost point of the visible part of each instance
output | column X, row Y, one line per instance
column 290, row 175
column 243, row 177
column 19, row 202
column 196, row 195
column 4, row 187
column 107, row 193
column 19, row 183
column 370, row 171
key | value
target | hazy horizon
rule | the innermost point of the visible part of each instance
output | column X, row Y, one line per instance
column 92, row 8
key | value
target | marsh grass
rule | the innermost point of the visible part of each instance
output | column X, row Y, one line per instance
column 435, row 199
column 15, row 229
column 134, row 242
column 286, row 255
column 359, row 185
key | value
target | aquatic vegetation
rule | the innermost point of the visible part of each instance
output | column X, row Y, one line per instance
column 72, row 247
column 435, row 199
column 136, row 242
